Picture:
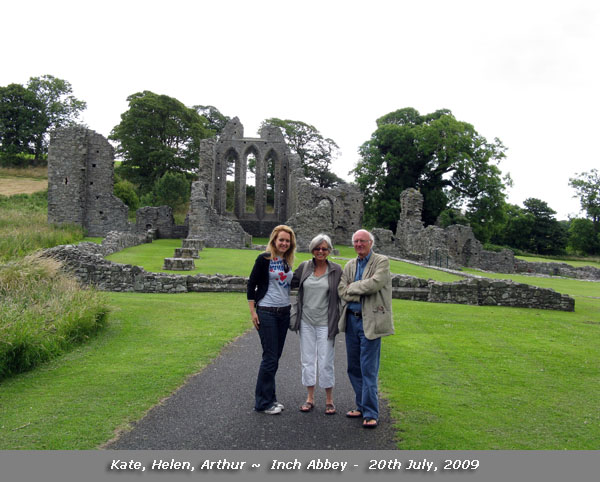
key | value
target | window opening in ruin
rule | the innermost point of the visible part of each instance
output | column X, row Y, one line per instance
column 231, row 158
column 250, row 182
column 270, row 162
column 66, row 181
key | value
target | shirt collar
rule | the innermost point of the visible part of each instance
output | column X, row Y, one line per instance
column 366, row 259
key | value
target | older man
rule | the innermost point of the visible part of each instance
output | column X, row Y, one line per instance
column 366, row 292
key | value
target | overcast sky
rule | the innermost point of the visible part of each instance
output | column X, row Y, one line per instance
column 525, row 71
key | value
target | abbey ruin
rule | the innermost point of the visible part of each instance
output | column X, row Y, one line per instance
column 80, row 190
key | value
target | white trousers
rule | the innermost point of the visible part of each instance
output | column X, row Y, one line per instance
column 316, row 350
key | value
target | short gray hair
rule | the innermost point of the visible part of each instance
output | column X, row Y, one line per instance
column 318, row 239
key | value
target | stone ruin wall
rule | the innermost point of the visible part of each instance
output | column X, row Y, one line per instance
column 80, row 182
column 87, row 263
column 336, row 212
column 81, row 186
column 453, row 247
column 81, row 177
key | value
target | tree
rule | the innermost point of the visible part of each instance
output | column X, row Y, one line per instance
column 60, row 107
column 587, row 186
column 125, row 191
column 22, row 120
column 583, row 237
column 451, row 164
column 315, row 151
column 216, row 120
column 172, row 189
column 156, row 135
column 547, row 235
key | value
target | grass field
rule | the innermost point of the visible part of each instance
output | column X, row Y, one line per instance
column 240, row 262
column 572, row 261
column 23, row 181
column 152, row 343
column 456, row 377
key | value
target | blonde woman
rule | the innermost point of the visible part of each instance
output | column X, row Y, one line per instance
column 269, row 302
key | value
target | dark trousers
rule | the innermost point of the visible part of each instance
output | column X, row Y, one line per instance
column 272, row 330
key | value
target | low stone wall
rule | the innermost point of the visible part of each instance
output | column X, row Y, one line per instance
column 90, row 267
column 482, row 292
column 557, row 269
column 116, row 241
column 87, row 263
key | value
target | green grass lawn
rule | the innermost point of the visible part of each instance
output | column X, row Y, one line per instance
column 152, row 343
column 573, row 262
column 239, row 262
column 456, row 377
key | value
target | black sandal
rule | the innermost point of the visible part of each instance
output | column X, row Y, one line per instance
column 368, row 423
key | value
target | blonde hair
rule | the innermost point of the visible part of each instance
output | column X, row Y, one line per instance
column 288, row 256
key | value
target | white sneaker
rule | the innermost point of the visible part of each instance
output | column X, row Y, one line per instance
column 273, row 410
column 280, row 405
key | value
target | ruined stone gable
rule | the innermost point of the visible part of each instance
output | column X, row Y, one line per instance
column 80, row 182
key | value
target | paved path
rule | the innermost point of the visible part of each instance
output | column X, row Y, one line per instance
column 214, row 409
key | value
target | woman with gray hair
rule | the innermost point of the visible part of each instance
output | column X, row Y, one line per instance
column 318, row 311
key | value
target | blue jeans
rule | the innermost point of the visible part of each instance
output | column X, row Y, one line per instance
column 272, row 330
column 363, row 366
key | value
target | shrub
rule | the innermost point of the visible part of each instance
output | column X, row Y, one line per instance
column 125, row 191
column 44, row 313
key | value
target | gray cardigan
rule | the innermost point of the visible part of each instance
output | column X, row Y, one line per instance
column 302, row 272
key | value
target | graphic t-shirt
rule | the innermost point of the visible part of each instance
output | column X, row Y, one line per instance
column 278, row 293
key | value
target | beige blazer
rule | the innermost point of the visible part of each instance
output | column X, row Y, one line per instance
column 374, row 291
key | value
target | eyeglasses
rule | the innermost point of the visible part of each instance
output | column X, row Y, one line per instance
column 321, row 249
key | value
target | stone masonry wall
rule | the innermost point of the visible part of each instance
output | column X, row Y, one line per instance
column 86, row 261
column 336, row 211
column 557, row 269
column 80, row 182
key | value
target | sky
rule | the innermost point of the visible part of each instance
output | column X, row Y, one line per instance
column 524, row 71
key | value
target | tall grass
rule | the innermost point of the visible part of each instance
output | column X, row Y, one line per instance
column 24, row 226
column 43, row 313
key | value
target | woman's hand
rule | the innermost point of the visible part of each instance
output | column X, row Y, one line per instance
column 253, row 314
column 255, row 320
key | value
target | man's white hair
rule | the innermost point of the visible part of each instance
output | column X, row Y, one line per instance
column 371, row 237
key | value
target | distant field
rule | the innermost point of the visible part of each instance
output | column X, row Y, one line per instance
column 18, row 185
column 23, row 181
column 573, row 262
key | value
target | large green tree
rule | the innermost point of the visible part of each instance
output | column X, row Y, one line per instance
column 533, row 228
column 587, row 186
column 315, row 151
column 158, row 134
column 583, row 238
column 22, row 120
column 216, row 121
column 451, row 164
column 60, row 107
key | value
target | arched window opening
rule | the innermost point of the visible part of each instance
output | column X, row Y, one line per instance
column 231, row 158
column 271, row 162
column 251, row 163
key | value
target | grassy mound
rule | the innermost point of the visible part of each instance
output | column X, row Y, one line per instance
column 44, row 313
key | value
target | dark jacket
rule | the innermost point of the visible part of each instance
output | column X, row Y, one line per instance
column 258, row 283
column 302, row 272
